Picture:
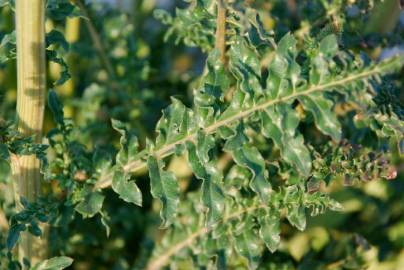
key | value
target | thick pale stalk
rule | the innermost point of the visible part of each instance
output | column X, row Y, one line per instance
column 31, row 73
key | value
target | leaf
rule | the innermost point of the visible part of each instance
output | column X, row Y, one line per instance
column 325, row 118
column 14, row 235
column 127, row 190
column 129, row 144
column 8, row 47
column 55, row 37
column 283, row 70
column 4, row 152
column 55, row 57
column 60, row 9
column 177, row 121
column 297, row 216
column 296, row 213
column 247, row 245
column 248, row 68
column 270, row 228
column 249, row 157
column 56, row 107
column 280, row 123
column 164, row 186
column 329, row 45
column 55, row 263
column 212, row 195
column 91, row 204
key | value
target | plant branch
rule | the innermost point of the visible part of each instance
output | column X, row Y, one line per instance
column 221, row 30
column 166, row 150
column 162, row 260
column 95, row 37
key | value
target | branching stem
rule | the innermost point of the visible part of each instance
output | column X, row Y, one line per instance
column 162, row 260
column 166, row 150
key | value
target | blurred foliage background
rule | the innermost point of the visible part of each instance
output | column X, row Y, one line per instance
column 123, row 66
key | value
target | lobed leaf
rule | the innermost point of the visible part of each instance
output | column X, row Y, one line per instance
column 164, row 186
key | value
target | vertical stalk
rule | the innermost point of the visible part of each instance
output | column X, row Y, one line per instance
column 221, row 30
column 31, row 83
column 384, row 17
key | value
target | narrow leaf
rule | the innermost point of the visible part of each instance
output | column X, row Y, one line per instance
column 164, row 186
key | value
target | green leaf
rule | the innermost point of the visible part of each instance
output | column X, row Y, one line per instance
column 55, row 57
column 56, row 107
column 4, row 152
column 247, row 245
column 91, row 204
column 329, row 45
column 129, row 144
column 60, row 9
column 56, row 38
column 325, row 118
column 212, row 195
column 297, row 216
column 177, row 121
column 164, row 186
column 8, row 47
column 270, row 228
column 55, row 263
column 280, row 123
column 249, row 157
column 127, row 190
column 296, row 213
column 14, row 235
column 248, row 67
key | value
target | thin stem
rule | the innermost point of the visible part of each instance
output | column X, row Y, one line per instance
column 221, row 30
column 95, row 37
column 31, row 82
column 162, row 260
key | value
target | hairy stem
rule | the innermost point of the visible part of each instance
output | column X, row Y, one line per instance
column 31, row 82
column 166, row 150
column 221, row 30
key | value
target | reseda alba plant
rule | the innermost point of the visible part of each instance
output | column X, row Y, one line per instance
column 252, row 107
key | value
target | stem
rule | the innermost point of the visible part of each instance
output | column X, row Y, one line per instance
column 95, row 37
column 166, row 150
column 31, row 84
column 221, row 30
column 162, row 260
column 384, row 17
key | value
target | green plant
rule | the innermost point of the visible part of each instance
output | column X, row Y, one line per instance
column 272, row 122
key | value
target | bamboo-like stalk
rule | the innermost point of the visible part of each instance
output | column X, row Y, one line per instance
column 31, row 83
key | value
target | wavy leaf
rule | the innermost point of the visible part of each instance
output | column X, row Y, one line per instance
column 164, row 186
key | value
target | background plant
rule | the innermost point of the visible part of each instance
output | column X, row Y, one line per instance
column 297, row 112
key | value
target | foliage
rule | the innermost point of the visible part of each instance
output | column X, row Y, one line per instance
column 296, row 123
